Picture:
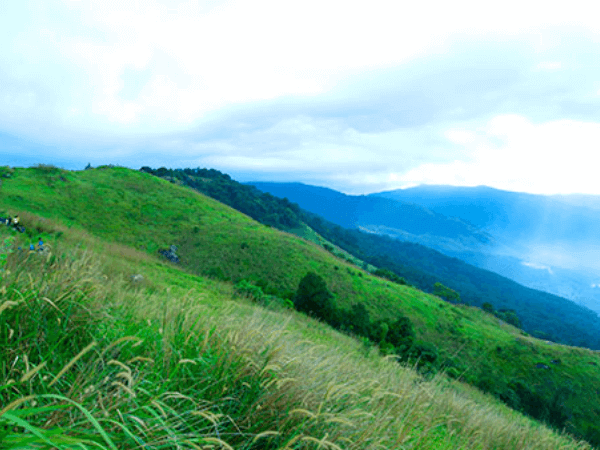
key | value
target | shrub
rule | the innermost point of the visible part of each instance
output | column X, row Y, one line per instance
column 426, row 355
column 6, row 171
column 487, row 307
column 359, row 319
column 401, row 334
column 216, row 273
column 509, row 316
column 389, row 275
column 314, row 298
column 378, row 332
column 247, row 289
column 446, row 293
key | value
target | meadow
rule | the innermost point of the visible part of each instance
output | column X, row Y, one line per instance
column 89, row 357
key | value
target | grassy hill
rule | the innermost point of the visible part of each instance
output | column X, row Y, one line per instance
column 542, row 314
column 239, row 369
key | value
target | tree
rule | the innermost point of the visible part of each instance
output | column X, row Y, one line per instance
column 314, row 298
column 425, row 352
column 509, row 316
column 446, row 293
column 359, row 319
column 378, row 331
column 389, row 275
column 401, row 334
column 487, row 307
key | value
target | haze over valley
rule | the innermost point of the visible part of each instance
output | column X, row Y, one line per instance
column 543, row 242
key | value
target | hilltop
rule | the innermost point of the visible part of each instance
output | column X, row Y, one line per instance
column 131, row 215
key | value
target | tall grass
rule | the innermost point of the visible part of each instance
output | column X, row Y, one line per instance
column 88, row 360
column 147, row 213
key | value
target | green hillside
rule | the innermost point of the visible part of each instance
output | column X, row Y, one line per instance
column 541, row 314
column 129, row 216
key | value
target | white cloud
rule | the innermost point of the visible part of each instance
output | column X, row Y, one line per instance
column 113, row 69
column 237, row 51
column 549, row 65
column 510, row 152
column 538, row 267
column 458, row 136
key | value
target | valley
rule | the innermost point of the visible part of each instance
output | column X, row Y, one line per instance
column 544, row 243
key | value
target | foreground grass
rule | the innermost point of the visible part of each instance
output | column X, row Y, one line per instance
column 89, row 359
column 131, row 215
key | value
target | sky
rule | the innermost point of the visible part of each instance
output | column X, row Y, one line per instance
column 356, row 96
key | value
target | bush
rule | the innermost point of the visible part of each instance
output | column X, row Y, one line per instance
column 426, row 355
column 314, row 298
column 446, row 293
column 389, row 275
column 247, row 289
column 487, row 307
column 216, row 273
column 378, row 331
column 509, row 316
column 359, row 320
column 401, row 334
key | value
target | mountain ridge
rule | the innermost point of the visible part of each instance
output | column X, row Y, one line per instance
column 508, row 254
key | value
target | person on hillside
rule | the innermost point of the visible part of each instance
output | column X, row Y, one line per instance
column 40, row 245
column 15, row 221
column 31, row 248
column 8, row 221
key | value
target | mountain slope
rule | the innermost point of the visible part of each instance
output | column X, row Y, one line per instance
column 132, row 208
column 177, row 362
column 541, row 313
column 359, row 211
column 524, row 219
column 548, row 242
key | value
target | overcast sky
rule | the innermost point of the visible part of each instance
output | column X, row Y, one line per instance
column 356, row 96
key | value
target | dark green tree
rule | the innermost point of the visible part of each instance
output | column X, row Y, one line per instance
column 378, row 331
column 388, row 274
column 314, row 298
column 487, row 307
column 359, row 319
column 401, row 334
column 509, row 316
column 446, row 293
column 424, row 352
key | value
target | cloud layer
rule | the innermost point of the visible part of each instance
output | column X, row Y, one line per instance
column 353, row 97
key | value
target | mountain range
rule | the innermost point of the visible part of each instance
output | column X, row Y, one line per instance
column 542, row 314
column 548, row 243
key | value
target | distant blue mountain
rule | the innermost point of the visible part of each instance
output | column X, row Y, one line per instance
column 351, row 211
column 513, row 215
column 550, row 243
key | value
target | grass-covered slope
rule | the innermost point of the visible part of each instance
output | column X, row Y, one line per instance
column 90, row 359
column 146, row 213
column 543, row 315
